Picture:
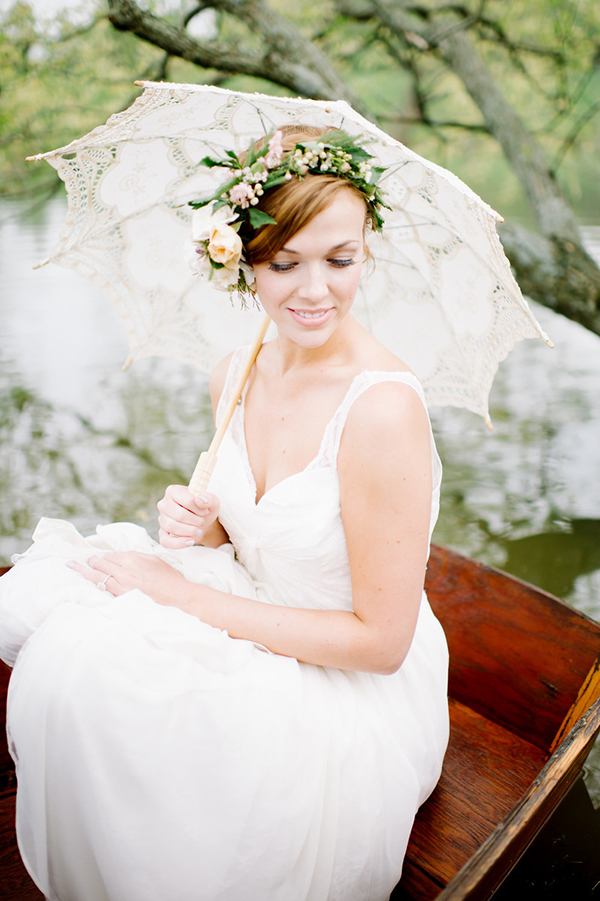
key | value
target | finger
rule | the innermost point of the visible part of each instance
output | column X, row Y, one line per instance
column 208, row 502
column 179, row 529
column 180, row 514
column 202, row 503
column 179, row 496
column 173, row 542
column 98, row 578
column 104, row 564
column 113, row 561
column 82, row 570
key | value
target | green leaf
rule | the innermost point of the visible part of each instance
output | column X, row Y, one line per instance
column 273, row 180
column 258, row 218
column 210, row 162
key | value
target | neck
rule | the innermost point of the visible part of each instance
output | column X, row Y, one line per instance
column 337, row 351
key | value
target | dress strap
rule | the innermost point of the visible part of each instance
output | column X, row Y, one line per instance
column 333, row 433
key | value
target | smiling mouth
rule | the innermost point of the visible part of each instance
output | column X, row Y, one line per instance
column 309, row 314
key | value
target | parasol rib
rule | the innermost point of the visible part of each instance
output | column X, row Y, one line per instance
column 207, row 460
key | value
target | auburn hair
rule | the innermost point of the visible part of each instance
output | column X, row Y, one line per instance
column 296, row 202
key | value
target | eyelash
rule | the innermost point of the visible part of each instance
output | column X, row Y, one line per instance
column 287, row 267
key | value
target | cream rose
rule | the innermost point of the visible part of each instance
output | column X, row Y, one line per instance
column 223, row 279
column 225, row 246
column 204, row 220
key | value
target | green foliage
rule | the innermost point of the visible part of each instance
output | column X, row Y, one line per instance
column 58, row 83
column 545, row 56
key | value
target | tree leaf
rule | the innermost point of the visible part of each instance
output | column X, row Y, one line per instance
column 257, row 218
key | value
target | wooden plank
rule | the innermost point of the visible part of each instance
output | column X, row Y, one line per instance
column 486, row 771
column 486, row 870
column 518, row 656
column 586, row 696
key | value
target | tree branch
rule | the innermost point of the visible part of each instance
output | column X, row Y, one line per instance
column 524, row 153
column 289, row 59
column 572, row 136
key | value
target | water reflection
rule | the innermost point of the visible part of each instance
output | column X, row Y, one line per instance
column 556, row 559
column 109, row 464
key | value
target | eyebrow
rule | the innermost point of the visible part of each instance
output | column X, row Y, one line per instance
column 331, row 249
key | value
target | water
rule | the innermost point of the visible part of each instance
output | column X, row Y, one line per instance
column 82, row 440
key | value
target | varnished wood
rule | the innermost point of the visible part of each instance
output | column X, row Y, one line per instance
column 486, row 870
column 519, row 660
column 486, row 771
column 518, row 656
column 588, row 694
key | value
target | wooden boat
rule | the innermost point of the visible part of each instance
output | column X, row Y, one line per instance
column 524, row 710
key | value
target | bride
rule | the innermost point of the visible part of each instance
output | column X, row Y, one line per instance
column 256, row 707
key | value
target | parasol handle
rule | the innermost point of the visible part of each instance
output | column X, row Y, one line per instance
column 207, row 460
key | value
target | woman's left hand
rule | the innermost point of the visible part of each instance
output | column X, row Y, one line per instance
column 121, row 572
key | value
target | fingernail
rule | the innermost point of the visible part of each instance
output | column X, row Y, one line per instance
column 203, row 500
column 189, row 543
column 198, row 533
column 70, row 564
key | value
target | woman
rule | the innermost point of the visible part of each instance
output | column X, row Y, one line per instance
column 261, row 724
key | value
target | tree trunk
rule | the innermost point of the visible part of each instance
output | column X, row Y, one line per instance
column 558, row 274
column 552, row 212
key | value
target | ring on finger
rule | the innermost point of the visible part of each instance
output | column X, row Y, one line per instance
column 102, row 585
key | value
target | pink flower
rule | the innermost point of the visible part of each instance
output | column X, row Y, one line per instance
column 241, row 195
column 275, row 153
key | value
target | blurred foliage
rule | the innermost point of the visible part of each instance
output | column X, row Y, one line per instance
column 58, row 81
column 61, row 77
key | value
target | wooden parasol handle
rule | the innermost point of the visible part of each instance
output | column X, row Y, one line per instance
column 207, row 460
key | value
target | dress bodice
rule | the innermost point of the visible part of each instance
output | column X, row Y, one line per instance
column 292, row 541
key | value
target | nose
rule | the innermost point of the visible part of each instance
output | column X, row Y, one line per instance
column 313, row 286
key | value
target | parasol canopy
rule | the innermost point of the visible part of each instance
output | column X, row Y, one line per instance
column 440, row 295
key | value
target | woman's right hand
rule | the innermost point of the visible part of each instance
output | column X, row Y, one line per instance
column 184, row 519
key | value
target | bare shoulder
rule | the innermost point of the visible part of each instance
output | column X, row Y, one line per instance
column 217, row 380
column 385, row 424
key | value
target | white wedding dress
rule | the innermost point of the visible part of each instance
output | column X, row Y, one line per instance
column 160, row 760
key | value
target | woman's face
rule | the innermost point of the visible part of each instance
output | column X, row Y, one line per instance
column 309, row 286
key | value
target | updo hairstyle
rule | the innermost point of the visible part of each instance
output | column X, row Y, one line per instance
column 296, row 203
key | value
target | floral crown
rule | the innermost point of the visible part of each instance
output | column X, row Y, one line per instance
column 227, row 220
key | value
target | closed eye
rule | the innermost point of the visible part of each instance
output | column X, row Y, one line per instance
column 282, row 267
column 341, row 263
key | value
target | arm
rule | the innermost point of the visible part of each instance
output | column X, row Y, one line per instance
column 385, row 482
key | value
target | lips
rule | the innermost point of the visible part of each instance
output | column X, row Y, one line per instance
column 311, row 317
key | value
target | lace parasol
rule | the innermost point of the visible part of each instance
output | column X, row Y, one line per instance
column 441, row 294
